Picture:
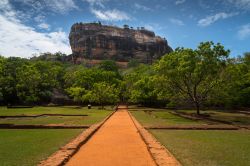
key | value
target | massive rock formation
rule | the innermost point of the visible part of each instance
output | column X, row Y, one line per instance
column 93, row 41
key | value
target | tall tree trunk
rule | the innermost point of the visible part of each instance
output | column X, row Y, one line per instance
column 197, row 105
column 196, row 101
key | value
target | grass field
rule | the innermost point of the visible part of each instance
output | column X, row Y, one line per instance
column 200, row 147
column 161, row 118
column 94, row 115
column 234, row 118
column 207, row 148
column 27, row 147
column 72, row 110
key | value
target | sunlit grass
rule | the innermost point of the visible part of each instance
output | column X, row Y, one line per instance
column 234, row 118
column 93, row 115
column 28, row 147
column 160, row 118
column 207, row 148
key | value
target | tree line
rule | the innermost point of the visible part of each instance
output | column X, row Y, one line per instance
column 198, row 78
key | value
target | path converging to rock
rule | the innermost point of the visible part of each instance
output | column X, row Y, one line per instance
column 117, row 142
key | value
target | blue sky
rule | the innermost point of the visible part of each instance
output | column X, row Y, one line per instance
column 29, row 27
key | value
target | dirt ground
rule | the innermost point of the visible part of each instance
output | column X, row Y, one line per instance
column 116, row 143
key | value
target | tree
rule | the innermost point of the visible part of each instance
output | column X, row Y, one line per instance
column 37, row 80
column 78, row 94
column 47, row 56
column 91, row 84
column 28, row 80
column 2, row 63
column 140, row 85
column 235, row 91
column 85, row 78
column 109, row 65
column 51, row 74
column 104, row 93
column 193, row 73
column 133, row 63
column 101, row 93
column 125, row 26
column 9, row 78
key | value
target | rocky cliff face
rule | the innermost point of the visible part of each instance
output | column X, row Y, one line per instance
column 93, row 41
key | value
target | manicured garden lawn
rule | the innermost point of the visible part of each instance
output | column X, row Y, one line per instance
column 94, row 115
column 234, row 118
column 28, row 147
column 200, row 147
column 161, row 118
column 207, row 148
column 72, row 110
column 153, row 116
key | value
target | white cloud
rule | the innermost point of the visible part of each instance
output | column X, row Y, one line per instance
column 4, row 5
column 142, row 7
column 18, row 39
column 178, row 2
column 244, row 32
column 110, row 15
column 39, row 18
column 44, row 26
column 61, row 5
column 211, row 19
column 150, row 27
column 99, row 3
column 153, row 27
column 176, row 22
column 56, row 6
column 241, row 4
column 6, row 9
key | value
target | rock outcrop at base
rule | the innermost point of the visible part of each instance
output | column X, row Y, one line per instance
column 94, row 41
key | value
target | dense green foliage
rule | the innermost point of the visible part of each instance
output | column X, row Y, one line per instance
column 235, row 89
column 34, row 81
column 204, row 77
column 140, row 85
column 201, row 77
column 192, row 73
column 24, row 81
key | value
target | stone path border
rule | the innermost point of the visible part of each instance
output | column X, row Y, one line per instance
column 116, row 143
column 159, row 153
column 60, row 157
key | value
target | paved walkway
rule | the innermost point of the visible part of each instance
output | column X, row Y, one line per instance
column 116, row 143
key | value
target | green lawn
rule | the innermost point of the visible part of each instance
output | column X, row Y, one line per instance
column 200, row 147
column 234, row 118
column 207, row 148
column 72, row 110
column 94, row 115
column 153, row 116
column 160, row 118
column 28, row 147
